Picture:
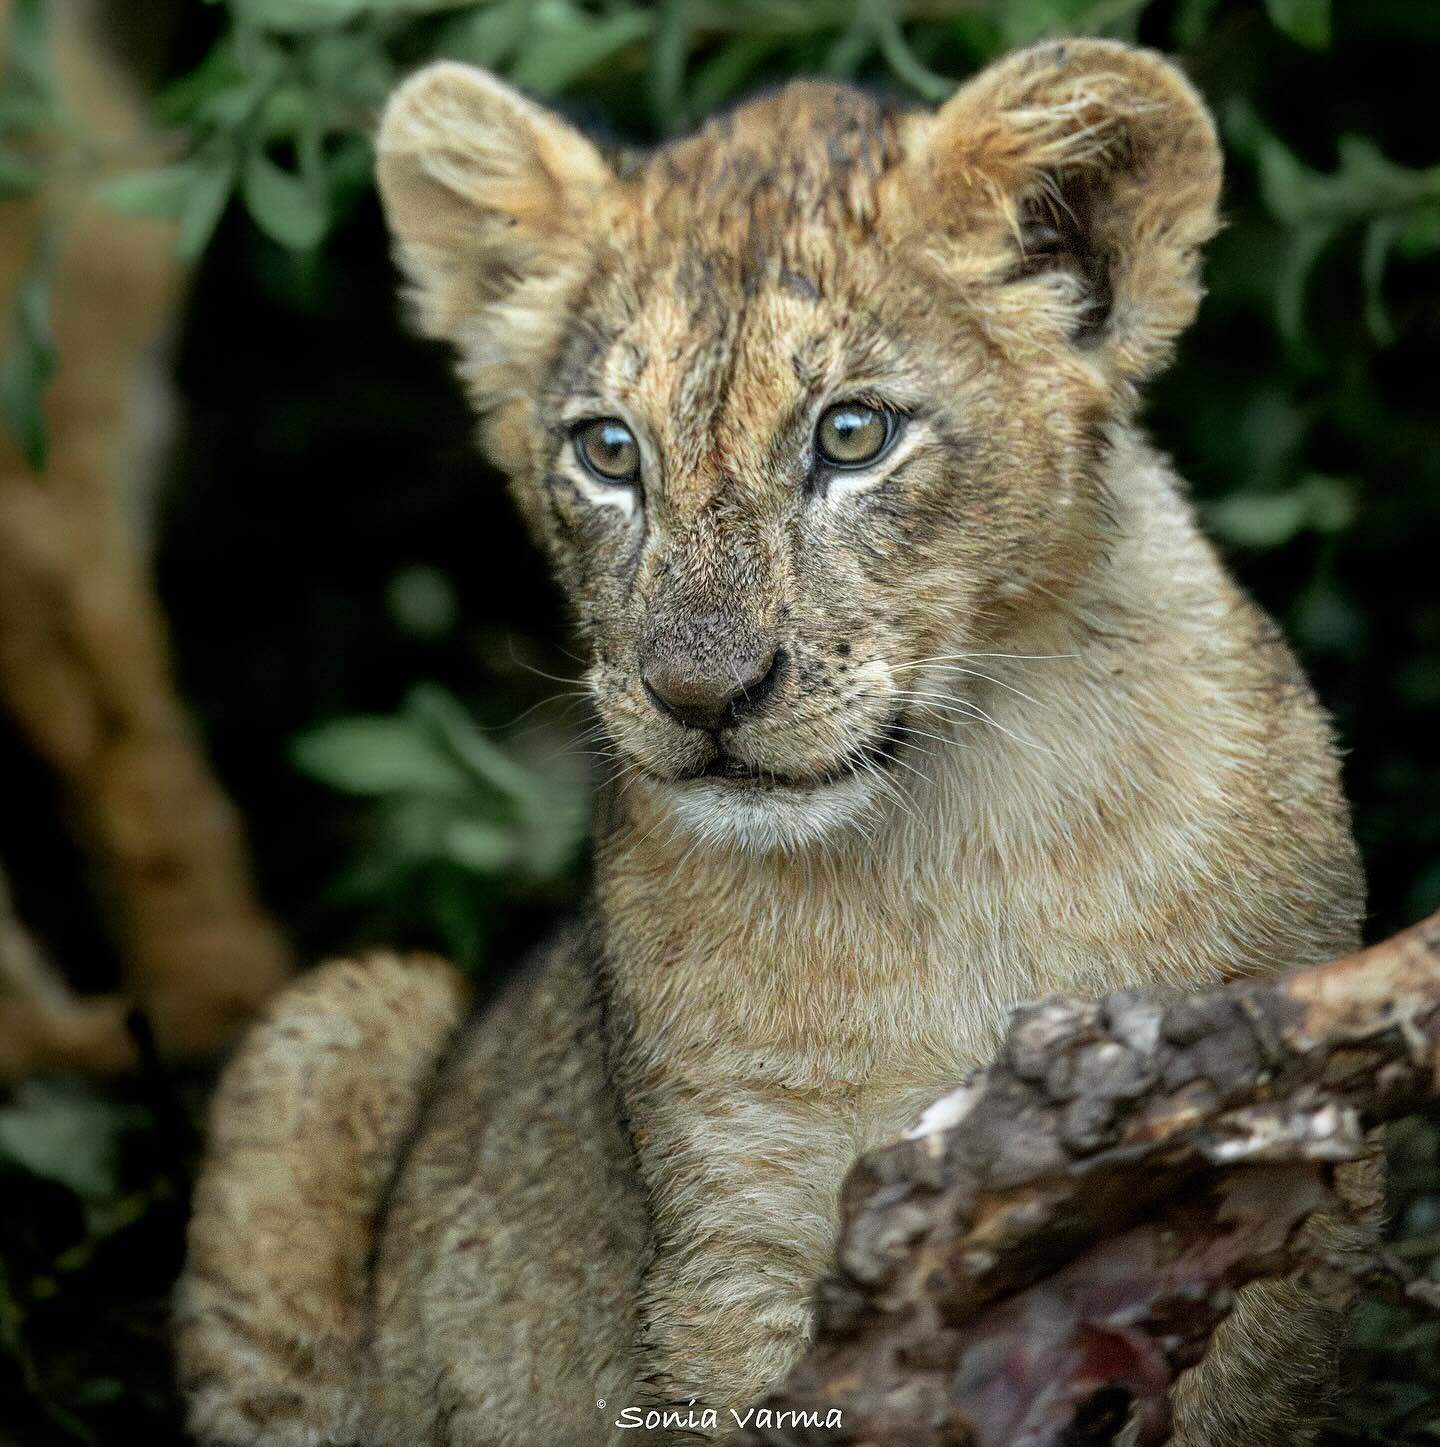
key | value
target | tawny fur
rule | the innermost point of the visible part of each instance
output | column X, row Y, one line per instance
column 1110, row 770
column 269, row 1315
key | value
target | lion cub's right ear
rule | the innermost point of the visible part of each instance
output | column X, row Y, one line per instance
column 1092, row 169
column 491, row 200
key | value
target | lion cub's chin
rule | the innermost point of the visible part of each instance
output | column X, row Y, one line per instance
column 777, row 819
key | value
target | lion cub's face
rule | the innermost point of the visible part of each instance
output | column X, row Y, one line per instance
column 813, row 405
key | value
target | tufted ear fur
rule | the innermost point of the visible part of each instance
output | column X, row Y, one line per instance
column 492, row 201
column 1094, row 170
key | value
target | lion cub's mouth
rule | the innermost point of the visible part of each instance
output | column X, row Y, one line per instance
column 878, row 753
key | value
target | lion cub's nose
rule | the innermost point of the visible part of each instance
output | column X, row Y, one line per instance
column 714, row 690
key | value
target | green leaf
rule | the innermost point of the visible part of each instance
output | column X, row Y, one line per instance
column 1317, row 504
column 349, row 173
column 1193, row 19
column 162, row 191
column 288, row 109
column 28, row 70
column 852, row 48
column 1287, row 187
column 1331, row 503
column 1399, row 207
column 377, row 756
column 422, row 602
column 30, row 360
column 283, row 205
column 901, row 59
column 195, row 191
column 1022, row 21
column 1307, row 22
column 21, row 111
column 457, row 906
column 564, row 44
column 1418, row 234
column 1258, row 521
column 347, row 73
column 720, row 77
column 222, row 92
column 194, row 97
column 1379, row 239
column 1365, row 183
column 555, row 829
column 1305, row 248
column 29, row 103
column 66, row 1132
column 441, row 712
column 205, row 203
column 668, row 52
column 18, row 176
column 487, row 37
column 300, row 17
column 479, row 845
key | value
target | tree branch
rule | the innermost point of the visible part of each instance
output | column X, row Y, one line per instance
column 1055, row 1242
column 85, row 670
column 43, row 1023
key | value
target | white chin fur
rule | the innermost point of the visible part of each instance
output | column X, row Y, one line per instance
column 762, row 821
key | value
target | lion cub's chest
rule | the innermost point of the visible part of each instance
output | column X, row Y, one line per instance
column 770, row 1035
column 750, row 1100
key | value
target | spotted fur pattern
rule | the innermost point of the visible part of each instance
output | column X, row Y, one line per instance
column 1025, row 735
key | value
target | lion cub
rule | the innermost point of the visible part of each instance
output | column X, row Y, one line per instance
column 925, row 697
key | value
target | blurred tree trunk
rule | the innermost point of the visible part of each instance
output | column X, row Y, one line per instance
column 43, row 1024
column 84, row 664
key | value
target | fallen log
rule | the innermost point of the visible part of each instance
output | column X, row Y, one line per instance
column 1053, row 1243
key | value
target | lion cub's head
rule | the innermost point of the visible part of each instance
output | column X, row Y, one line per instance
column 808, row 401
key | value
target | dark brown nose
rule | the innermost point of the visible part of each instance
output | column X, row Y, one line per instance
column 713, row 689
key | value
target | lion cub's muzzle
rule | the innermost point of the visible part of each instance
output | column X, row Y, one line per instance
column 710, row 672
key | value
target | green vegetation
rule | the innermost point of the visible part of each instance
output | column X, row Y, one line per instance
column 330, row 541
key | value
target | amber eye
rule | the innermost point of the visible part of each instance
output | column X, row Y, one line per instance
column 607, row 448
column 852, row 434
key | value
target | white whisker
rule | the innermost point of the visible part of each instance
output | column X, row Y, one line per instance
column 990, row 678
column 966, row 657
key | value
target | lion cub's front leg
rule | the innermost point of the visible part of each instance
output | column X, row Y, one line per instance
column 744, row 1194
column 719, row 1325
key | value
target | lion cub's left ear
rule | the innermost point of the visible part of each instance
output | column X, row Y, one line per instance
column 492, row 201
column 1102, row 164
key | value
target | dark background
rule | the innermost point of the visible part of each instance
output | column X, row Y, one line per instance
column 329, row 539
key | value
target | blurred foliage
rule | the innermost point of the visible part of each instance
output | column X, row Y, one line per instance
column 96, row 1192
column 458, row 817
column 278, row 112
column 330, row 536
column 27, row 105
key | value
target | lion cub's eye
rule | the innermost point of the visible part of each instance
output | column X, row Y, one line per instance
column 852, row 434
column 608, row 449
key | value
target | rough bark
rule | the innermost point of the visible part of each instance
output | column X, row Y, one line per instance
column 84, row 665
column 1053, row 1244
